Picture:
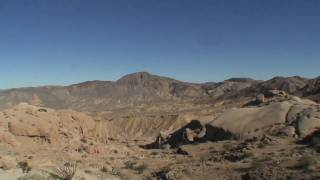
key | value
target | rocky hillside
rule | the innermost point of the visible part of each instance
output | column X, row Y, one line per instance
column 54, row 127
column 130, row 89
column 271, row 137
column 143, row 87
column 312, row 89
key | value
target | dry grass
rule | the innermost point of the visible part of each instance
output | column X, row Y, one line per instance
column 65, row 172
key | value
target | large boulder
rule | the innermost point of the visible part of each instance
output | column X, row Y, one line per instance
column 308, row 121
column 252, row 121
column 193, row 132
column 305, row 117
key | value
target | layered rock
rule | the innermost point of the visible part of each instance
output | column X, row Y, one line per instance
column 53, row 126
column 281, row 115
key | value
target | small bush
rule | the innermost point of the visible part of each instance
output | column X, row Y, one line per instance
column 104, row 169
column 154, row 153
column 227, row 146
column 88, row 171
column 249, row 154
column 133, row 166
column 305, row 163
column 65, row 172
column 130, row 164
column 256, row 163
column 24, row 166
column 141, row 168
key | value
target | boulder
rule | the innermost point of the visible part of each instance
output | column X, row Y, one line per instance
column 193, row 132
column 308, row 122
column 288, row 131
column 275, row 93
column 252, row 121
column 191, row 135
column 260, row 99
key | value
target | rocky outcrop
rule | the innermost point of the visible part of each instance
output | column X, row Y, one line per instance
column 312, row 90
column 308, row 121
column 194, row 132
column 51, row 125
column 279, row 115
column 260, row 98
column 252, row 121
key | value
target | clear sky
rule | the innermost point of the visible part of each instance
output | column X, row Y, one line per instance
column 66, row 41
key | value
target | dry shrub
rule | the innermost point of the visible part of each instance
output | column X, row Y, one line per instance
column 24, row 165
column 65, row 172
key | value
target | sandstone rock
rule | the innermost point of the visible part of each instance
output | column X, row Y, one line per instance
column 275, row 93
column 8, row 138
column 7, row 163
column 289, row 131
column 296, row 99
column 260, row 98
column 308, row 122
column 52, row 126
column 252, row 121
column 193, row 132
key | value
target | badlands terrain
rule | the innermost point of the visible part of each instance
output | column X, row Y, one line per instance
column 145, row 126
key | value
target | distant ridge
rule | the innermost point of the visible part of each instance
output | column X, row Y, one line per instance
column 143, row 87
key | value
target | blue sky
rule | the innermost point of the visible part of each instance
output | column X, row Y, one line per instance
column 67, row 41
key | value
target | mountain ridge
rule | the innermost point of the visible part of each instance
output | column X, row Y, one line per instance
column 141, row 87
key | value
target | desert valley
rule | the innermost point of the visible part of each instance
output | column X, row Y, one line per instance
column 145, row 126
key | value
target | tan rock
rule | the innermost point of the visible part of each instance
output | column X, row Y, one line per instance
column 247, row 122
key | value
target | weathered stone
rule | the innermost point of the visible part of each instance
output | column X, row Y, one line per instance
column 260, row 99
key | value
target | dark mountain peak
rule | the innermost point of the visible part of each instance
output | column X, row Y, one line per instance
column 277, row 78
column 88, row 84
column 136, row 76
column 291, row 78
column 143, row 78
column 288, row 84
column 241, row 79
column 146, row 87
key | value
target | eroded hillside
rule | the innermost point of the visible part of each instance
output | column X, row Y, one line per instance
column 149, row 127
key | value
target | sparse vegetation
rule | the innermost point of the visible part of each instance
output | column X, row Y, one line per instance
column 305, row 162
column 130, row 164
column 154, row 153
column 227, row 146
column 203, row 164
column 109, row 146
column 141, row 168
column 134, row 166
column 104, row 169
column 65, row 172
column 24, row 165
column 257, row 163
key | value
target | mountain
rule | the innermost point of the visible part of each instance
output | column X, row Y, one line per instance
column 102, row 126
column 291, row 85
column 132, row 88
column 312, row 89
column 142, row 87
column 229, row 86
